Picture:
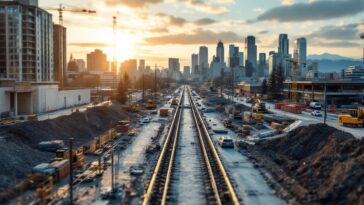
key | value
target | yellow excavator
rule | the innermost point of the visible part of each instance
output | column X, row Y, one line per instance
column 258, row 109
column 352, row 117
column 134, row 107
column 150, row 105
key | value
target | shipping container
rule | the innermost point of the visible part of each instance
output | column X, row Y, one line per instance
column 62, row 169
column 163, row 112
column 122, row 128
column 279, row 105
column 293, row 108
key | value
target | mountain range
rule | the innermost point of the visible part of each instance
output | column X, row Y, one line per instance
column 332, row 63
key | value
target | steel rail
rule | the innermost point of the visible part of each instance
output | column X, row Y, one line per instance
column 233, row 199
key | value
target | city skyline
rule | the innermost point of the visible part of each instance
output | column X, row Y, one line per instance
column 151, row 29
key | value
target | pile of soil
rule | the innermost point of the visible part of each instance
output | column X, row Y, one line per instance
column 326, row 163
column 18, row 143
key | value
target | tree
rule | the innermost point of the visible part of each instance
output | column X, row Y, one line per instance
column 272, row 86
column 126, row 81
column 264, row 86
column 122, row 93
column 280, row 78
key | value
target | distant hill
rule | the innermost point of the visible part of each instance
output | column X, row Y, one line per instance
column 333, row 63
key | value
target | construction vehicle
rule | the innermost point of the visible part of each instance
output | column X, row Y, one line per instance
column 174, row 101
column 352, row 117
column 78, row 157
column 258, row 109
column 150, row 105
column 134, row 107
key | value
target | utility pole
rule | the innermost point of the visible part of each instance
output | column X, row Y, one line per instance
column 232, row 85
column 155, row 82
column 362, row 37
column 143, row 94
column 112, row 170
column 71, row 169
column 221, row 81
column 325, row 105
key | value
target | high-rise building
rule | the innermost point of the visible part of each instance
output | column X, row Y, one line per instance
column 274, row 60
column 262, row 64
column 250, row 56
column 97, row 61
column 173, row 64
column 300, row 54
column 60, row 54
column 141, row 67
column 194, row 65
column 203, row 61
column 241, row 59
column 81, row 64
column 231, row 52
column 283, row 44
column 129, row 67
column 26, row 42
column 220, row 52
column 234, row 59
column 186, row 72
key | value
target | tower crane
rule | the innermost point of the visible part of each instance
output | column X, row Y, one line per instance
column 295, row 62
column 62, row 8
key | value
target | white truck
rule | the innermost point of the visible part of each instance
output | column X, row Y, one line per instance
column 315, row 105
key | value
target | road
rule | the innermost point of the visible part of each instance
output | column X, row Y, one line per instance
column 307, row 117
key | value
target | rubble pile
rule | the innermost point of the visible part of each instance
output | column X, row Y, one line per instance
column 326, row 162
column 18, row 143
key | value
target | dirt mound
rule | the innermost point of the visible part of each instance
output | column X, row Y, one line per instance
column 327, row 162
column 18, row 143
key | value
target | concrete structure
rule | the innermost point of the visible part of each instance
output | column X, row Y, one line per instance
column 26, row 39
column 60, row 54
column 354, row 73
column 250, row 56
column 283, row 44
column 249, row 88
column 339, row 92
column 97, row 61
column 203, row 61
column 23, row 98
column 108, row 79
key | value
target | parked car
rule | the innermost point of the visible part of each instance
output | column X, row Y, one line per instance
column 226, row 142
column 316, row 113
column 146, row 120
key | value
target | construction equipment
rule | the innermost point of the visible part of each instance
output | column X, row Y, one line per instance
column 62, row 8
column 174, row 101
column 150, row 105
column 293, row 91
column 352, row 117
column 258, row 109
column 44, row 192
column 78, row 157
column 134, row 107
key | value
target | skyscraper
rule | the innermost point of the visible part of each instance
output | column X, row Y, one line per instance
column 141, row 67
column 273, row 62
column 231, row 52
column 97, row 61
column 300, row 54
column 173, row 64
column 60, row 54
column 220, row 52
column 26, row 43
column 203, row 61
column 262, row 64
column 250, row 56
column 283, row 44
column 241, row 59
column 194, row 65
column 234, row 59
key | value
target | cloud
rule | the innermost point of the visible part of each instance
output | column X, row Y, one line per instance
column 198, row 37
column 342, row 32
column 206, row 6
column 159, row 30
column 205, row 21
column 313, row 11
column 132, row 3
column 172, row 20
column 263, row 32
column 287, row 2
column 90, row 44
column 341, row 44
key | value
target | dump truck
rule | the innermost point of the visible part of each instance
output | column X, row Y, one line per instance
column 352, row 117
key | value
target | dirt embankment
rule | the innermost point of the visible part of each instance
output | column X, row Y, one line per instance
column 18, row 143
column 317, row 164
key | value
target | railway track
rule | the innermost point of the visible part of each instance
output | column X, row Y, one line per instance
column 218, row 189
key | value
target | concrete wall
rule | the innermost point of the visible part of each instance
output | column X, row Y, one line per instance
column 48, row 98
column 4, row 100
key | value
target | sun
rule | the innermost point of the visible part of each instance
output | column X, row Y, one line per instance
column 125, row 47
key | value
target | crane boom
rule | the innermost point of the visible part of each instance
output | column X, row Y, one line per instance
column 62, row 8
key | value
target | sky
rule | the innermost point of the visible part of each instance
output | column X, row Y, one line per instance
column 158, row 29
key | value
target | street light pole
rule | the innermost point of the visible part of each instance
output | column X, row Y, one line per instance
column 71, row 169
column 325, row 105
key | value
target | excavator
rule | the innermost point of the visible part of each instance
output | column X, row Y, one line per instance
column 352, row 117
column 258, row 109
column 133, row 107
